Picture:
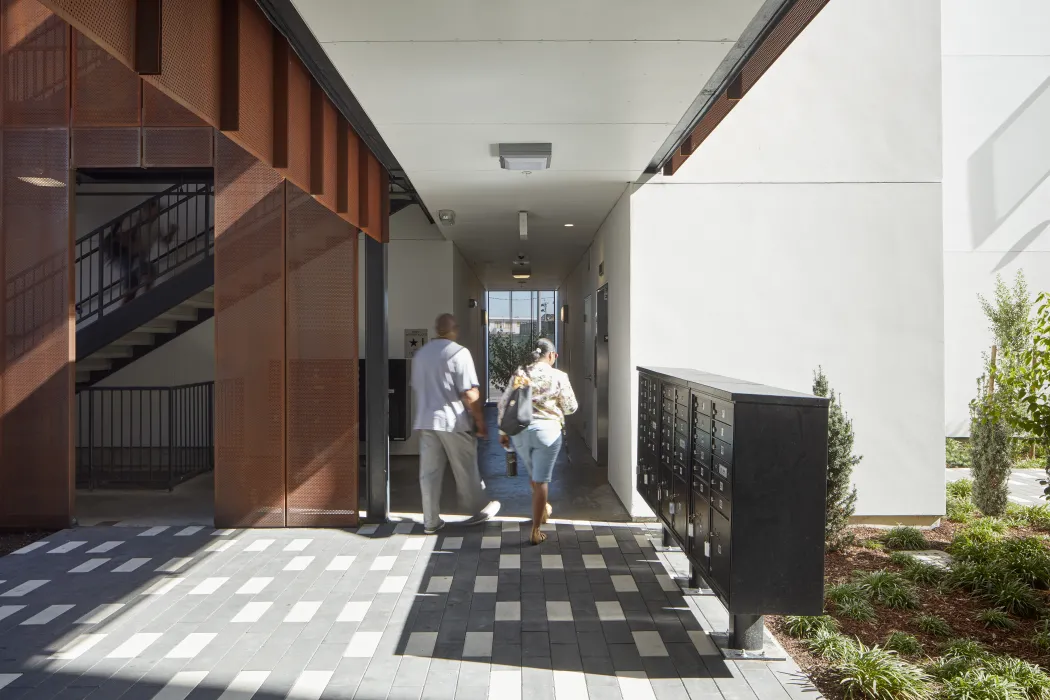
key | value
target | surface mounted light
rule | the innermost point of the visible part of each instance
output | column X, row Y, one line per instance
column 525, row 156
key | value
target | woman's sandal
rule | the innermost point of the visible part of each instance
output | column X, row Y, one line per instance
column 537, row 537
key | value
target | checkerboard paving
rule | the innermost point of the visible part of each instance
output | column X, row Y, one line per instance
column 380, row 612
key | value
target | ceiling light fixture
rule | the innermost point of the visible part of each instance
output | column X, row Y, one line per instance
column 569, row 225
column 521, row 269
column 525, row 156
column 447, row 217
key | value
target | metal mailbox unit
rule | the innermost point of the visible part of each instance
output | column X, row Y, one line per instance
column 737, row 473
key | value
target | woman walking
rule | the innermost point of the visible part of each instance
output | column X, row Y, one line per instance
column 538, row 445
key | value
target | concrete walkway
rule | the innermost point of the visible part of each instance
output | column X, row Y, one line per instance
column 190, row 613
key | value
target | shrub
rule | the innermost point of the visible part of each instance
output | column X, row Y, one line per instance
column 961, row 488
column 959, row 510
column 933, row 625
column 922, row 573
column 990, row 437
column 978, row 684
column 859, row 610
column 889, row 588
column 842, row 593
column 1037, row 517
column 879, row 674
column 1026, row 557
column 807, row 626
column 873, row 544
column 903, row 643
column 972, row 576
column 969, row 649
column 957, row 453
column 1041, row 638
column 841, row 494
column 1030, row 677
column 901, row 558
column 905, row 537
column 1013, row 595
column 995, row 618
column 832, row 646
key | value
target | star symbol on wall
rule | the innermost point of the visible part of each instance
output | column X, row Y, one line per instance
column 413, row 343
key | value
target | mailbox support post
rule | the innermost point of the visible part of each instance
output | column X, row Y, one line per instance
column 747, row 632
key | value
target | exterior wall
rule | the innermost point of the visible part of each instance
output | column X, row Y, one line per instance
column 996, row 96
column 466, row 286
column 806, row 231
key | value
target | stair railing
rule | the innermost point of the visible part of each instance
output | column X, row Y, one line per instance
column 136, row 250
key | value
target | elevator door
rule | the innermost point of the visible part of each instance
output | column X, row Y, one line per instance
column 601, row 372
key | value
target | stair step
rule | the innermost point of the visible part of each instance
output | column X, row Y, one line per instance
column 92, row 364
column 135, row 338
column 204, row 300
column 179, row 313
column 83, row 377
column 157, row 326
column 113, row 352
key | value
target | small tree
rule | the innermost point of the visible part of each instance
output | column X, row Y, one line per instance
column 1030, row 382
column 990, row 448
column 508, row 352
column 841, row 494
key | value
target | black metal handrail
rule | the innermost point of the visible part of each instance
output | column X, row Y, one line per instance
column 155, row 437
column 131, row 252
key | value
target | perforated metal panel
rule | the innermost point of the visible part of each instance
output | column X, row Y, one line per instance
column 107, row 147
column 190, row 61
column 110, row 23
column 177, row 147
column 160, row 110
column 249, row 340
column 298, row 170
column 36, row 471
column 35, row 54
column 322, row 444
column 255, row 131
column 105, row 91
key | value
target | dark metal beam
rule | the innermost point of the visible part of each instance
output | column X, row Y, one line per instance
column 147, row 37
column 377, row 382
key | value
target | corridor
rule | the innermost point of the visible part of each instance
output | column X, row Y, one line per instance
column 378, row 612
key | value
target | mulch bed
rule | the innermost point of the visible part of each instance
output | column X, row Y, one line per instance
column 11, row 541
column 957, row 608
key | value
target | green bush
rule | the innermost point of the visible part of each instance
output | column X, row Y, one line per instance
column 959, row 510
column 878, row 674
column 1030, row 677
column 1041, row 638
column 843, row 593
column 807, row 626
column 969, row 649
column 841, row 497
column 933, row 625
column 922, row 573
column 1025, row 557
column 957, row 453
column 978, row 684
column 901, row 558
column 962, row 488
column 903, row 643
column 888, row 588
column 990, row 438
column 1037, row 517
column 873, row 544
column 859, row 610
column 995, row 618
column 905, row 537
column 973, row 576
column 832, row 646
column 1014, row 595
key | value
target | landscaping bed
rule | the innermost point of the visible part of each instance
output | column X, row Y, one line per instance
column 12, row 541
column 980, row 629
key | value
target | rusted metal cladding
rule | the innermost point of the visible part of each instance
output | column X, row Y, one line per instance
column 109, row 23
column 107, row 101
column 322, row 445
column 36, row 472
column 776, row 42
column 35, row 55
column 329, row 169
column 255, row 83
column 190, row 58
column 249, row 340
column 353, row 178
column 298, row 170
column 173, row 136
column 374, row 196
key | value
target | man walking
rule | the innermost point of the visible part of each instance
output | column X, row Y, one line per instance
column 448, row 415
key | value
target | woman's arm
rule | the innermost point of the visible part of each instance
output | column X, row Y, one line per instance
column 566, row 397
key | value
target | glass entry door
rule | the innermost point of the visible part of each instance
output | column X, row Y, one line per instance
column 516, row 320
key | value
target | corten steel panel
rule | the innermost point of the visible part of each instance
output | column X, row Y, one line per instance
column 711, row 119
column 105, row 91
column 255, row 91
column 298, row 170
column 249, row 340
column 177, row 147
column 322, row 444
column 160, row 110
column 107, row 147
column 353, row 178
column 330, row 158
column 36, row 471
column 110, row 23
column 374, row 226
column 35, row 53
column 190, row 60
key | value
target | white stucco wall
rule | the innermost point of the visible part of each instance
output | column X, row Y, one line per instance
column 996, row 95
column 807, row 231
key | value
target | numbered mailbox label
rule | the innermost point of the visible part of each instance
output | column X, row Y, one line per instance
column 723, row 471
column 690, row 530
column 707, row 548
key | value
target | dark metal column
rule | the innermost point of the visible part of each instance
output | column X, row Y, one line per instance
column 377, row 381
column 748, row 632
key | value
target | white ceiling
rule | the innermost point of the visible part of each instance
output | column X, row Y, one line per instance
column 604, row 81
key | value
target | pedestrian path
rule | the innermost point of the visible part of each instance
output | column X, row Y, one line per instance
column 379, row 612
column 1024, row 484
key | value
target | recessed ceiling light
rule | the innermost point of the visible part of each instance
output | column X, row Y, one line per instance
column 569, row 225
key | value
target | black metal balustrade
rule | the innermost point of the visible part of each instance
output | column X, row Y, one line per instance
column 154, row 437
column 142, row 247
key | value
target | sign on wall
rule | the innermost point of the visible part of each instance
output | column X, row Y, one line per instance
column 415, row 338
